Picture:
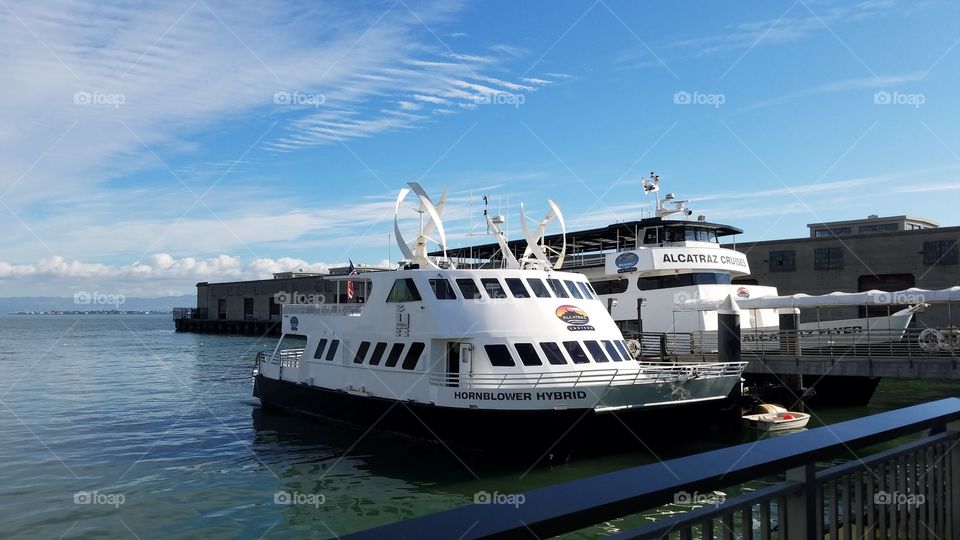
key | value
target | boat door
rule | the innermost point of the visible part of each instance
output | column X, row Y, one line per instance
column 459, row 363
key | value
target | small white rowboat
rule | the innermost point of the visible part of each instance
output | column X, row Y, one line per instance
column 774, row 418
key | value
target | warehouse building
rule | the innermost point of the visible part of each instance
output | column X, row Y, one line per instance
column 253, row 307
column 883, row 253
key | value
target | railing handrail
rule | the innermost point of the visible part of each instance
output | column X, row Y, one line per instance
column 646, row 373
column 571, row 506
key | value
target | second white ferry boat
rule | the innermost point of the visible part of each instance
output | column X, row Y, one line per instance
column 477, row 357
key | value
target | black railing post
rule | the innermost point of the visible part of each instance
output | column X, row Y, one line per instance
column 802, row 510
column 728, row 331
column 790, row 331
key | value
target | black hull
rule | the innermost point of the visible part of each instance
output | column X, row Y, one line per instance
column 548, row 433
column 817, row 391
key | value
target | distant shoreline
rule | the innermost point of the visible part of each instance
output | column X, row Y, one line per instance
column 99, row 312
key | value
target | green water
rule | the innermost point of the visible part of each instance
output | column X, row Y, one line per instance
column 112, row 406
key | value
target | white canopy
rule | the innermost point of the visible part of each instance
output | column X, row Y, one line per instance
column 869, row 298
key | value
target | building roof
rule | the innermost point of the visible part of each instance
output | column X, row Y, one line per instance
column 874, row 219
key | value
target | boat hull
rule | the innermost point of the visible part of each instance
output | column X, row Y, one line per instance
column 526, row 432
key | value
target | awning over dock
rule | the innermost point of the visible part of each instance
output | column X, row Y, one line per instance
column 911, row 296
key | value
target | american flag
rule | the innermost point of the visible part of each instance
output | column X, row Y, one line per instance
column 351, row 290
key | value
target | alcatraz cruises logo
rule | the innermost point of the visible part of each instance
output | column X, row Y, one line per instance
column 575, row 318
column 627, row 262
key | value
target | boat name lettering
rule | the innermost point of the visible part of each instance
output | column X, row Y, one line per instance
column 704, row 258
column 519, row 396
column 581, row 328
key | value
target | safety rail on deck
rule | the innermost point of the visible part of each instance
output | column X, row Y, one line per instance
column 352, row 310
column 911, row 343
column 909, row 491
column 289, row 358
column 648, row 373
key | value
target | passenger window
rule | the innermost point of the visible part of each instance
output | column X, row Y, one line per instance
column 558, row 289
column 538, row 288
column 442, row 289
column 493, row 287
column 404, row 290
column 596, row 351
column 499, row 355
column 554, row 356
column 621, row 346
column 528, row 354
column 585, row 289
column 612, row 351
column 573, row 289
column 469, row 289
column 413, row 356
column 377, row 353
column 394, row 355
column 361, row 352
column 516, row 288
column 320, row 346
column 333, row 349
column 576, row 352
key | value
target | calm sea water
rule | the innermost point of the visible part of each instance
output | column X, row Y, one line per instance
column 116, row 426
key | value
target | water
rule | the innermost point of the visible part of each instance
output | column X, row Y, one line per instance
column 116, row 426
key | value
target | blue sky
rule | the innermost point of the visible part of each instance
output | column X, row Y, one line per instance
column 147, row 146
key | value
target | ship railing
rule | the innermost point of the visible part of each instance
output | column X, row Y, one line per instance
column 288, row 358
column 837, row 343
column 644, row 373
column 348, row 310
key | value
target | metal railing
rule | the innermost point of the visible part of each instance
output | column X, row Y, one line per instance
column 912, row 343
column 873, row 495
column 288, row 358
column 647, row 373
column 351, row 310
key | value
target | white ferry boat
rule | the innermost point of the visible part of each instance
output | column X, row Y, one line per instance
column 475, row 356
column 647, row 272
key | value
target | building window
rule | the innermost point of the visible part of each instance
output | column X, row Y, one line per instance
column 827, row 258
column 837, row 231
column 940, row 252
column 783, row 261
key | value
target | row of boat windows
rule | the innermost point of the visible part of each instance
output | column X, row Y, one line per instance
column 617, row 286
column 500, row 355
column 392, row 358
column 405, row 290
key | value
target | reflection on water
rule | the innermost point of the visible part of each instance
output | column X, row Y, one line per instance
column 101, row 406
